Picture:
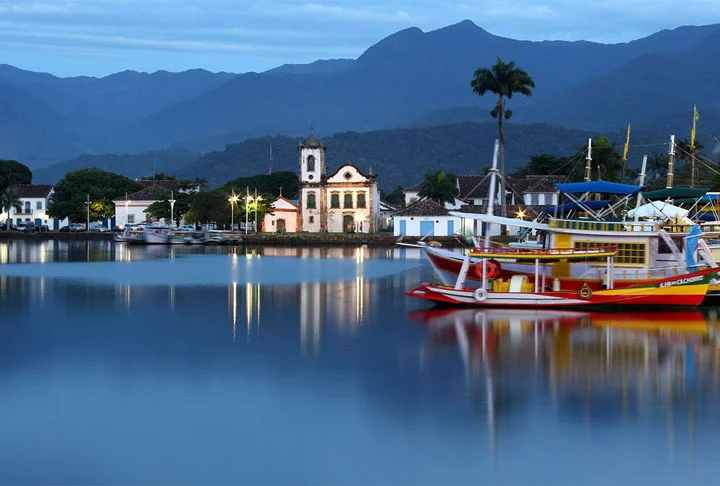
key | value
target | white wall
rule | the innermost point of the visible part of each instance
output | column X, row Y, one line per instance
column 412, row 225
column 136, row 209
column 34, row 214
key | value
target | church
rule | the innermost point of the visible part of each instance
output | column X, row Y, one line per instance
column 347, row 201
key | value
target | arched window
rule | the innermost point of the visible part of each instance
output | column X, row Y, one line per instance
column 311, row 201
column 348, row 203
column 361, row 200
column 335, row 200
column 311, row 164
column 27, row 207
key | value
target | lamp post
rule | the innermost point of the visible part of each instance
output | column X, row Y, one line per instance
column 233, row 200
column 257, row 200
column 172, row 208
column 248, row 198
column 87, row 203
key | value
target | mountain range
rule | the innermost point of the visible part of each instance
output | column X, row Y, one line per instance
column 409, row 79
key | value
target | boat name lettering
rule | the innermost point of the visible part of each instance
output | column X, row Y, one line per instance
column 682, row 281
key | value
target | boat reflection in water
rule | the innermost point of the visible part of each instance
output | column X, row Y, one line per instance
column 593, row 366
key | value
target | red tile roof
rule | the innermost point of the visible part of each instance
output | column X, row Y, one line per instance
column 32, row 190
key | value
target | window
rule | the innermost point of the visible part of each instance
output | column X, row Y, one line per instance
column 535, row 199
column 361, row 200
column 335, row 200
column 347, row 176
column 348, row 203
column 311, row 164
column 627, row 253
column 131, row 218
column 28, row 209
column 311, row 201
column 311, row 219
column 38, row 206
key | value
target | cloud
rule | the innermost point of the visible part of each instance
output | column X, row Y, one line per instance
column 262, row 32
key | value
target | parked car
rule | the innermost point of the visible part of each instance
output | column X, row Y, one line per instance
column 30, row 227
column 20, row 226
column 64, row 229
column 100, row 229
column 75, row 227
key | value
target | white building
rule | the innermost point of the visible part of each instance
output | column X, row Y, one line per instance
column 282, row 216
column 131, row 209
column 426, row 218
column 34, row 200
column 348, row 201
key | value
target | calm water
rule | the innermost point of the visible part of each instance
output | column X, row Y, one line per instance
column 309, row 366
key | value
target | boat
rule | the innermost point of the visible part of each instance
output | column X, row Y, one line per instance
column 688, row 289
column 647, row 250
column 544, row 288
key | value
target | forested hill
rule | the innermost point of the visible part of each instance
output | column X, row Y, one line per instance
column 398, row 156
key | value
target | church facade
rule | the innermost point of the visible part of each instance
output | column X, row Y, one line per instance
column 348, row 201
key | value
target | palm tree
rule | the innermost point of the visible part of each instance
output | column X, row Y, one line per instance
column 503, row 79
column 439, row 186
column 9, row 199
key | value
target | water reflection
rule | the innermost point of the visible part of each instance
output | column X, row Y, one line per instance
column 594, row 367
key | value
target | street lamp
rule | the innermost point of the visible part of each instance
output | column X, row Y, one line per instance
column 257, row 200
column 87, row 227
column 172, row 208
column 233, row 201
column 248, row 198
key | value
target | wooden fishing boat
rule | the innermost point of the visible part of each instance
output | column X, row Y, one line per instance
column 519, row 291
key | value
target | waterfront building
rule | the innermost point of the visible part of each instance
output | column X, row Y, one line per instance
column 132, row 208
column 425, row 218
column 34, row 200
column 282, row 216
column 348, row 201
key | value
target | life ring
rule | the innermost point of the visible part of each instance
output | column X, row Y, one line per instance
column 585, row 292
column 492, row 269
column 480, row 295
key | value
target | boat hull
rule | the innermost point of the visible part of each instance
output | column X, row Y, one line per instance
column 685, row 290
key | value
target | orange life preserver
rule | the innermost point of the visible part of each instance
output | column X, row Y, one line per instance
column 585, row 292
column 492, row 269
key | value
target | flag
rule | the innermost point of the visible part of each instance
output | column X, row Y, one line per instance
column 696, row 115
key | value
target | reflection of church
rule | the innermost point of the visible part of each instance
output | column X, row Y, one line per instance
column 344, row 202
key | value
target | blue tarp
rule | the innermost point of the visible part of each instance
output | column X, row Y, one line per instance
column 691, row 244
column 571, row 206
column 603, row 187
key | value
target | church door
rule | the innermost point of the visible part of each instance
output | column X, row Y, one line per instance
column 281, row 226
column 348, row 223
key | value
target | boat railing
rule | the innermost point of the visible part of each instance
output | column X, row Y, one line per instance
column 600, row 273
column 592, row 225
column 511, row 251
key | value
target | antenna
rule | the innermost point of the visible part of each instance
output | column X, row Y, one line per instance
column 270, row 162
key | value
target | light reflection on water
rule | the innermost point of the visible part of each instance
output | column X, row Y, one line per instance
column 342, row 382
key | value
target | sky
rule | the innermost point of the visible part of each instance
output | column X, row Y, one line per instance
column 101, row 37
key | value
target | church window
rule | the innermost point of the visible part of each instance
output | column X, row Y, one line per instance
column 335, row 200
column 361, row 200
column 347, row 176
column 311, row 164
column 311, row 201
column 348, row 200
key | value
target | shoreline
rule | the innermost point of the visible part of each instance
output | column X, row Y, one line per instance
column 266, row 239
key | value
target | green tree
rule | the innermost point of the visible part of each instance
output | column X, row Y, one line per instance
column 13, row 172
column 268, row 184
column 210, row 206
column 161, row 209
column 503, row 79
column 439, row 186
column 160, row 176
column 606, row 161
column 8, row 200
column 396, row 197
column 102, row 187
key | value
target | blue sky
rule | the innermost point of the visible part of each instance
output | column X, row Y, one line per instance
column 99, row 37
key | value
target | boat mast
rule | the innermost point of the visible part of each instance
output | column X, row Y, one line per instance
column 588, row 161
column 491, row 191
column 671, row 159
column 642, row 181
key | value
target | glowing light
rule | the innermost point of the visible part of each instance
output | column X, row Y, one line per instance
column 521, row 214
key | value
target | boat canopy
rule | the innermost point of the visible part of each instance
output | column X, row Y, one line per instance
column 486, row 218
column 603, row 187
column 573, row 206
column 658, row 209
column 675, row 193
